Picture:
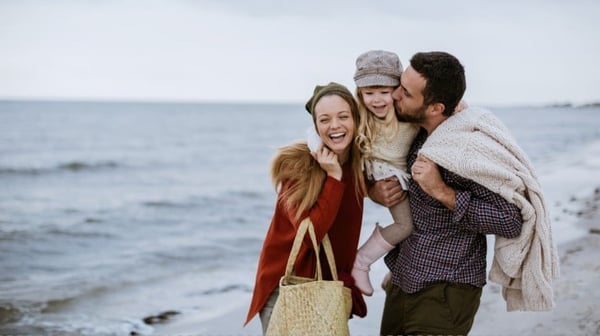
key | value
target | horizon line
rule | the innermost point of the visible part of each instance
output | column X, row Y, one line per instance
column 247, row 102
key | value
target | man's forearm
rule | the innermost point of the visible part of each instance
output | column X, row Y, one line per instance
column 447, row 196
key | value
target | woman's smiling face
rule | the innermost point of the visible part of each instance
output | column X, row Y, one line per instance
column 335, row 125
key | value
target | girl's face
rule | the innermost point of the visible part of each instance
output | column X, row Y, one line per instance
column 378, row 100
column 335, row 125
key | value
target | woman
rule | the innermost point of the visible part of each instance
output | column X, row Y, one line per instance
column 326, row 185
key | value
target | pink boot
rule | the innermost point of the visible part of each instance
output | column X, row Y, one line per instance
column 374, row 248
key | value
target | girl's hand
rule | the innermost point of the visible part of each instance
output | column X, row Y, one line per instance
column 328, row 160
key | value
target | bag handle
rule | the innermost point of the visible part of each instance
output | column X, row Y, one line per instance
column 307, row 225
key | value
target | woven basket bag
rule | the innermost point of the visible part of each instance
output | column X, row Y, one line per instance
column 310, row 306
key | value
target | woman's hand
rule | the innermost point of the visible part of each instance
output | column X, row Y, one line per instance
column 328, row 160
column 462, row 105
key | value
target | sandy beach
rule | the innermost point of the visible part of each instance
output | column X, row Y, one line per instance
column 577, row 299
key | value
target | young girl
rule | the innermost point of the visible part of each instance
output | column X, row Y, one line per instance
column 384, row 142
column 326, row 185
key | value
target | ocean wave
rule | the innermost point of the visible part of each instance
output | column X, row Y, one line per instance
column 224, row 202
column 25, row 233
column 225, row 289
column 167, row 204
column 78, row 166
column 9, row 313
column 52, row 299
column 72, row 166
column 79, row 234
column 35, row 318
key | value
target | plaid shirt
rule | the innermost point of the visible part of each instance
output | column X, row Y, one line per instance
column 446, row 245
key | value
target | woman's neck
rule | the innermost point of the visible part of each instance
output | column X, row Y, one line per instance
column 343, row 157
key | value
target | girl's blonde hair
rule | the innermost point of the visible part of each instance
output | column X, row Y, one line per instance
column 299, row 175
column 367, row 128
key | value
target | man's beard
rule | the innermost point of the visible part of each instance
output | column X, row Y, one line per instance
column 415, row 116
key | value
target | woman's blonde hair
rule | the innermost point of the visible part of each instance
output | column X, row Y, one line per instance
column 299, row 175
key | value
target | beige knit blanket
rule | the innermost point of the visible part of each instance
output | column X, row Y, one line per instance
column 476, row 145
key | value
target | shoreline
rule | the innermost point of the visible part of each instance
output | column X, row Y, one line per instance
column 577, row 310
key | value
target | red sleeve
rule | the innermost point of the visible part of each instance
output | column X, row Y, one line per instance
column 324, row 211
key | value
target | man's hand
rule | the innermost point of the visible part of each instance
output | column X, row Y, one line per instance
column 427, row 175
column 387, row 192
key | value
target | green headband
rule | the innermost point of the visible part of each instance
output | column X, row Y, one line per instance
column 324, row 90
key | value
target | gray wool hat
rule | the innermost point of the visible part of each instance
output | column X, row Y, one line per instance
column 378, row 68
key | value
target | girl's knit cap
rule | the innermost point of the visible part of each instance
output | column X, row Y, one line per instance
column 378, row 68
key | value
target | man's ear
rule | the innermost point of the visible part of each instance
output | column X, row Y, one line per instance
column 436, row 109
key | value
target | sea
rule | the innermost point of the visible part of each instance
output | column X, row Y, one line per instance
column 113, row 212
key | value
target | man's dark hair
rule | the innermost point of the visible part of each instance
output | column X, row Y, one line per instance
column 445, row 78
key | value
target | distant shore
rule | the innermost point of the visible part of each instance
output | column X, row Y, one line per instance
column 76, row 101
column 593, row 104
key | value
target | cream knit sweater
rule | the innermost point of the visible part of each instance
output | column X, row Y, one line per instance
column 392, row 142
column 476, row 145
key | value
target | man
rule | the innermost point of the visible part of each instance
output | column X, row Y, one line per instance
column 462, row 189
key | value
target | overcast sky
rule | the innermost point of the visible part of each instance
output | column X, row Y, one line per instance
column 514, row 52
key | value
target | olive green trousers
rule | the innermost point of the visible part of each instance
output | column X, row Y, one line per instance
column 440, row 309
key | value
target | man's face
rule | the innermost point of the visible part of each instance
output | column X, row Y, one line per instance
column 408, row 97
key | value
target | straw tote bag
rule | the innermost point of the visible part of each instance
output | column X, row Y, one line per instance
column 311, row 306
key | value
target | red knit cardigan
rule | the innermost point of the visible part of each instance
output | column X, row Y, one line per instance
column 338, row 212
